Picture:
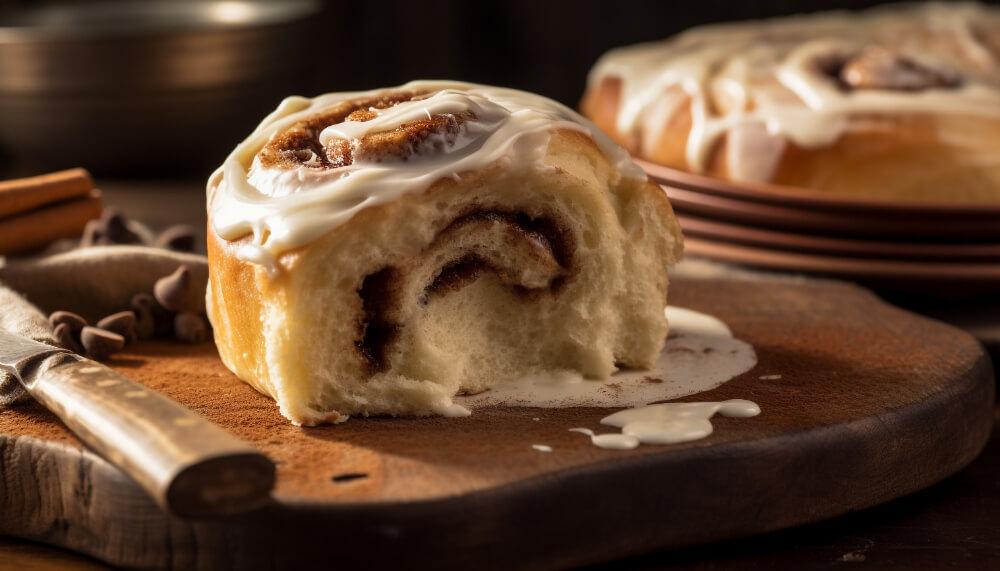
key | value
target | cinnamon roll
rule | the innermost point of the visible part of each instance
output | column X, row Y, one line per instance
column 380, row 252
column 900, row 102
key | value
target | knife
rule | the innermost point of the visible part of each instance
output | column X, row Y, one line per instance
column 189, row 466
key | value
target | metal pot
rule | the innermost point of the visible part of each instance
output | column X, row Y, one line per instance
column 145, row 88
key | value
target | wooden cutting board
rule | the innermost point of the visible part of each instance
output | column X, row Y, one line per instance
column 872, row 403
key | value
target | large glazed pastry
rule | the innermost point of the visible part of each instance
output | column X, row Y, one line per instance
column 900, row 102
column 379, row 252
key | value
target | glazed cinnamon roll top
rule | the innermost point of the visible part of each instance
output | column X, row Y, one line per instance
column 314, row 163
column 366, row 129
column 800, row 79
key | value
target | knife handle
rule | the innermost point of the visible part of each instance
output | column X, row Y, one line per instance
column 189, row 466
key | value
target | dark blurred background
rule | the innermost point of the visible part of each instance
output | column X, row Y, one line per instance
column 167, row 88
column 542, row 46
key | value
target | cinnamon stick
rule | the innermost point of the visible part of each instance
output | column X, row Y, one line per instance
column 40, row 226
column 23, row 194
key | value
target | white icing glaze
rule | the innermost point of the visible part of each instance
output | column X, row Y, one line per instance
column 700, row 354
column 667, row 423
column 688, row 321
column 452, row 411
column 542, row 447
column 609, row 441
column 285, row 208
column 767, row 73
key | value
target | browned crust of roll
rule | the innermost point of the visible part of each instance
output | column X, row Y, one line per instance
column 894, row 155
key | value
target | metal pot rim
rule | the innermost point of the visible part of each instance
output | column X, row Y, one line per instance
column 123, row 19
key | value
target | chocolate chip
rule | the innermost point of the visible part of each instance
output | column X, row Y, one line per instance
column 151, row 319
column 116, row 228
column 174, row 291
column 190, row 328
column 100, row 344
column 66, row 338
column 122, row 323
column 145, row 325
column 180, row 238
column 70, row 319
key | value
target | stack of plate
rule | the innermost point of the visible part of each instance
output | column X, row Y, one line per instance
column 890, row 244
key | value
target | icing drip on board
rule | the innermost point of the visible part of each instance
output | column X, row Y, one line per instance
column 667, row 423
column 700, row 354
column 684, row 361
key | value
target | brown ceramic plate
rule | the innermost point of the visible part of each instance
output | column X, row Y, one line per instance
column 812, row 199
column 813, row 220
column 940, row 278
column 826, row 245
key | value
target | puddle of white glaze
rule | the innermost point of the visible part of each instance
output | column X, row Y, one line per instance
column 667, row 423
column 692, row 321
column 609, row 441
column 453, row 410
column 700, row 354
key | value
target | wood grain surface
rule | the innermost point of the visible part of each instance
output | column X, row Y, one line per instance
column 872, row 403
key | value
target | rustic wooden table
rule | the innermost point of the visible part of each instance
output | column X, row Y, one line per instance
column 950, row 525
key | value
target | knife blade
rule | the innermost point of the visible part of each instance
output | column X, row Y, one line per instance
column 188, row 465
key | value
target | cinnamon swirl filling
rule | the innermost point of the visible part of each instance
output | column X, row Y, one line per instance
column 302, row 145
column 532, row 256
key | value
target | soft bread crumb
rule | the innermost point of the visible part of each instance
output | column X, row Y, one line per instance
column 296, row 337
